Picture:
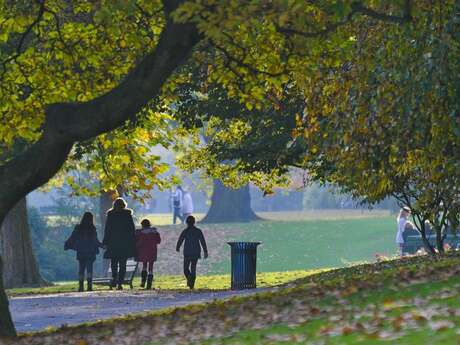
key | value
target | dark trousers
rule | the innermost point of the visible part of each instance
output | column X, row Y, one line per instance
column 148, row 264
column 190, row 270
column 177, row 214
column 85, row 265
column 118, row 266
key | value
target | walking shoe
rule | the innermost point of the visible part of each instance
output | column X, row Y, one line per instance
column 149, row 281
column 80, row 285
column 143, row 278
column 90, row 284
column 120, row 287
column 191, row 284
column 113, row 283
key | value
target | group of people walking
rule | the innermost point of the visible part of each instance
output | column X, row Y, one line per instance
column 122, row 241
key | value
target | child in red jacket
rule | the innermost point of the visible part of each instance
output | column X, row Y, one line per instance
column 147, row 240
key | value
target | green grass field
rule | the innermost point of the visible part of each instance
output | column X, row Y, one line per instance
column 176, row 283
column 310, row 244
column 291, row 240
column 408, row 301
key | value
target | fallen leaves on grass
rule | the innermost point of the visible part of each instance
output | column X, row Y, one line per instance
column 292, row 306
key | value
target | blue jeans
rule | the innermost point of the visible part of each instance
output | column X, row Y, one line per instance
column 177, row 214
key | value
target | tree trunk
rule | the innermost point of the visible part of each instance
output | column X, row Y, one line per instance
column 20, row 266
column 230, row 205
column 67, row 123
column 428, row 247
column 6, row 322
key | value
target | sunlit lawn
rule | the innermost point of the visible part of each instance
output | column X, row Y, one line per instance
column 176, row 283
column 304, row 240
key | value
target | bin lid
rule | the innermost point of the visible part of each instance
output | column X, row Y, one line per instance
column 243, row 244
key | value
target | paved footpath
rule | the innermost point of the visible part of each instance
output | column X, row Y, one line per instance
column 33, row 313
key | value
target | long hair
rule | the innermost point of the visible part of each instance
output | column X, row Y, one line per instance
column 86, row 226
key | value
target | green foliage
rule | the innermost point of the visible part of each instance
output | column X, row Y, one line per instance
column 124, row 160
column 378, row 105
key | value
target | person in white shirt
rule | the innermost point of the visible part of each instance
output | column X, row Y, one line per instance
column 187, row 205
column 403, row 224
column 176, row 204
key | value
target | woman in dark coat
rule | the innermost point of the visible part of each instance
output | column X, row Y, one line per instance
column 119, row 238
column 84, row 241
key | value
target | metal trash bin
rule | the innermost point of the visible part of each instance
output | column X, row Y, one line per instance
column 244, row 257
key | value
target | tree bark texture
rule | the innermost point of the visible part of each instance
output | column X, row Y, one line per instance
column 67, row 123
column 230, row 205
column 20, row 265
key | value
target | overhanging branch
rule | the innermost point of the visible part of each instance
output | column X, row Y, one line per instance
column 356, row 8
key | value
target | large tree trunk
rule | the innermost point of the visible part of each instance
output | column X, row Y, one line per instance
column 230, row 205
column 20, row 266
column 67, row 123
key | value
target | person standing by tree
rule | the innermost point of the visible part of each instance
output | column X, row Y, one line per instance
column 119, row 237
column 187, row 205
column 147, row 240
column 403, row 224
column 194, row 240
column 176, row 201
column 85, row 242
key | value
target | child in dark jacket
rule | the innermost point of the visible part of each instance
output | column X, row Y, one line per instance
column 85, row 242
column 147, row 240
column 194, row 241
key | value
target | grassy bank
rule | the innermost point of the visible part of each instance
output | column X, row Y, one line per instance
column 404, row 301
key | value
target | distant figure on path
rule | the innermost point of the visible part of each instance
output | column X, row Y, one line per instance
column 85, row 242
column 403, row 224
column 147, row 240
column 187, row 205
column 194, row 240
column 119, row 237
column 176, row 203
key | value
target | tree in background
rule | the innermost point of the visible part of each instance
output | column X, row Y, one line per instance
column 65, row 80
column 383, row 121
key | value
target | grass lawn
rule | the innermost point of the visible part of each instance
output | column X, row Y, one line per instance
column 176, row 283
column 290, row 240
column 408, row 301
column 420, row 312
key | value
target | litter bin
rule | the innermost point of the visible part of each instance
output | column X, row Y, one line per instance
column 244, row 257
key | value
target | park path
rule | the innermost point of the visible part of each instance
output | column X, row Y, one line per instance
column 34, row 313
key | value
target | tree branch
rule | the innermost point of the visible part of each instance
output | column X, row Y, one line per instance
column 67, row 123
column 356, row 8
column 24, row 35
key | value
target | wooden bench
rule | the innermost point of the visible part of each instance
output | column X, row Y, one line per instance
column 131, row 270
column 414, row 242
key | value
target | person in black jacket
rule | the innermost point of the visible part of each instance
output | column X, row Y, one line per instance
column 84, row 241
column 194, row 240
column 120, row 240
